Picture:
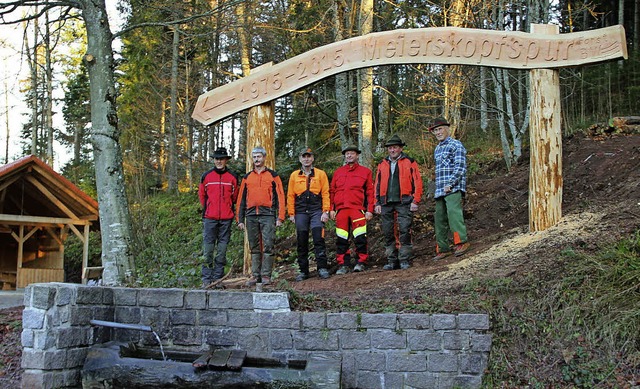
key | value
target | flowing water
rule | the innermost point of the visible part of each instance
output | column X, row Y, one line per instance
column 164, row 357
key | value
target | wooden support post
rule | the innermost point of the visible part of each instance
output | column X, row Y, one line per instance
column 545, row 133
column 260, row 132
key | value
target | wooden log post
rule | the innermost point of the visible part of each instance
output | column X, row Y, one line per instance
column 545, row 134
column 260, row 132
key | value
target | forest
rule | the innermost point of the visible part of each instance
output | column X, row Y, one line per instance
column 129, row 90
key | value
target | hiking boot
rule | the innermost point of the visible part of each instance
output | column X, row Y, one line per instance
column 404, row 265
column 461, row 248
column 442, row 255
column 389, row 266
column 251, row 282
column 342, row 270
column 301, row 277
column 266, row 280
column 358, row 268
column 323, row 273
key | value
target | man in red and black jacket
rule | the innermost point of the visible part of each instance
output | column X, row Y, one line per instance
column 218, row 191
column 352, row 202
column 261, row 206
column 398, row 190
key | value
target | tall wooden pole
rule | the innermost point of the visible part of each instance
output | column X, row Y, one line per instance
column 260, row 132
column 545, row 175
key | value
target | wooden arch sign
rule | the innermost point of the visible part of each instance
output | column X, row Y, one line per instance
column 436, row 45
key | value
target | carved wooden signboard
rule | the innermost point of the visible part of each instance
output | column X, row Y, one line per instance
column 438, row 45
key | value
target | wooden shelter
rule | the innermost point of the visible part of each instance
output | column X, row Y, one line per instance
column 38, row 209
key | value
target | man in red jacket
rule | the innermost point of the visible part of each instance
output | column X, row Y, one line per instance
column 352, row 201
column 218, row 191
column 398, row 189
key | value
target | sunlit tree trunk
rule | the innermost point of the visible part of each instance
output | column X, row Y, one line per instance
column 365, row 89
column 245, row 58
column 172, row 186
column 32, row 59
column 48, row 106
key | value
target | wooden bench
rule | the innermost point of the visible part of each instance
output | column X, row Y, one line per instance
column 92, row 273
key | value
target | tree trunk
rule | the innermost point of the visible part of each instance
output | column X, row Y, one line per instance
column 48, row 106
column 245, row 59
column 384, row 110
column 172, row 186
column 115, row 220
column 506, row 148
column 343, row 92
column 365, row 89
column 33, row 70
column 545, row 180
column 484, row 118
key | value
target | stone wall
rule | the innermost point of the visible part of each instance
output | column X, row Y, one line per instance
column 377, row 350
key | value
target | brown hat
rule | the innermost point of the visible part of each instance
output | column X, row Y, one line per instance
column 395, row 140
column 438, row 122
column 306, row 150
column 351, row 148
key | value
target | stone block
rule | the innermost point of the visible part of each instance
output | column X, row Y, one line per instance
column 125, row 296
column 348, row 376
column 183, row 317
column 230, row 300
column 63, row 313
column 76, row 357
column 242, row 319
column 26, row 299
column 421, row 380
column 254, row 340
column 44, row 360
column 394, row 379
column 195, row 299
column 36, row 379
column 157, row 319
column 388, row 339
column 424, row 340
column 80, row 316
column 53, row 318
column 118, row 334
column 443, row 322
column 168, row 298
column 474, row 363
column 403, row 361
column 127, row 315
column 414, row 321
column 467, row 381
column 42, row 296
column 281, row 339
column 343, row 320
column 316, row 340
column 373, row 361
column 33, row 318
column 276, row 302
column 216, row 317
column 108, row 296
column 370, row 379
column 27, row 338
column 354, row 340
column 380, row 320
column 288, row 320
column 72, row 337
column 90, row 295
column 469, row 321
column 481, row 343
column 441, row 362
column 72, row 378
column 314, row 320
column 65, row 295
column 44, row 339
column 223, row 337
column 455, row 340
column 187, row 336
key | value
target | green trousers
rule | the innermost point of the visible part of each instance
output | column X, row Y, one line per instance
column 449, row 222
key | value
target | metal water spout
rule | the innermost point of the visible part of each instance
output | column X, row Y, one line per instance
column 125, row 326
column 112, row 324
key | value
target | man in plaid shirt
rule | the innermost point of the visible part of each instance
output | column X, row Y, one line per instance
column 451, row 185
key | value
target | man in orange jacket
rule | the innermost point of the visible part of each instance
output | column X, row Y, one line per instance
column 398, row 190
column 261, row 205
column 352, row 200
column 308, row 207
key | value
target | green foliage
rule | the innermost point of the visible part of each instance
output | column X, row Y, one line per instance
column 73, row 249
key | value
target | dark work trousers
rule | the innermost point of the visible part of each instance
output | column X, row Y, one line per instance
column 261, row 234
column 215, row 232
column 305, row 222
column 351, row 221
column 396, row 227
